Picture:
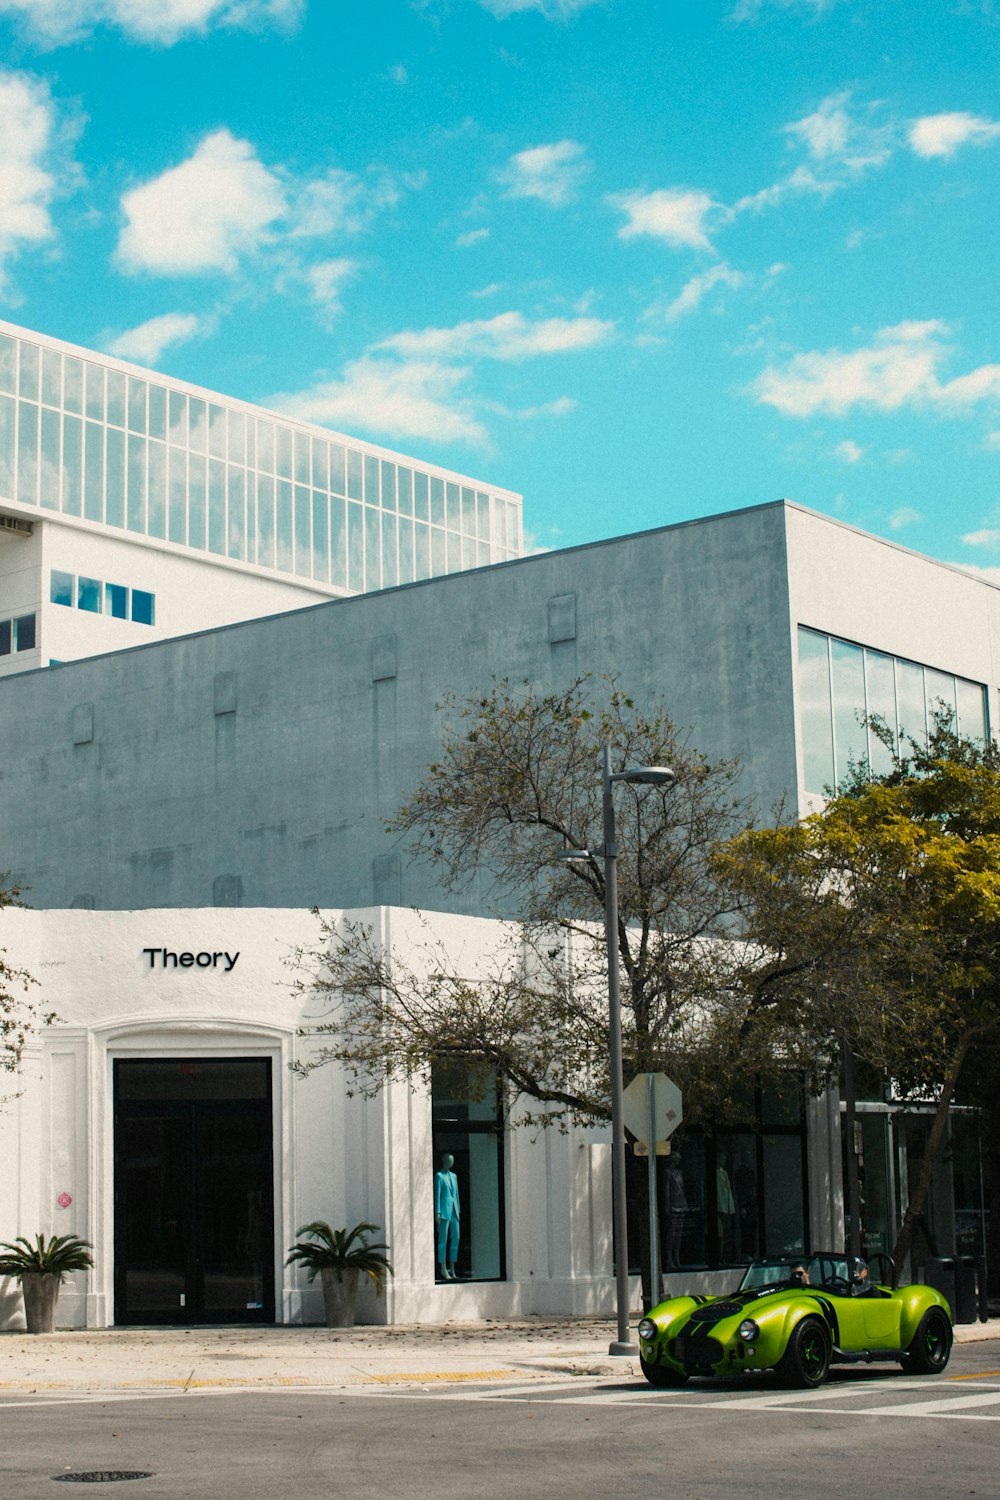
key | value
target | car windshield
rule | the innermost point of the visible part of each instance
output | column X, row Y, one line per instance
column 830, row 1271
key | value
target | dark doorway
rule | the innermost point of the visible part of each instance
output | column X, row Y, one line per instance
column 194, row 1209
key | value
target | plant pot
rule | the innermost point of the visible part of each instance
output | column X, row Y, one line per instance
column 340, row 1297
column 41, row 1293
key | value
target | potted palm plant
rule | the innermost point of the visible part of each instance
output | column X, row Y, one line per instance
column 40, row 1268
column 339, row 1256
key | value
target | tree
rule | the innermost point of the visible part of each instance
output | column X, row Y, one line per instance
column 18, row 1016
column 518, row 779
column 875, row 923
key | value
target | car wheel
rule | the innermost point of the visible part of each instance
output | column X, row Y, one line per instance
column 662, row 1375
column 806, row 1360
column 930, row 1348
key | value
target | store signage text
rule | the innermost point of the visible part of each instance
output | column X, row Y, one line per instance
column 165, row 958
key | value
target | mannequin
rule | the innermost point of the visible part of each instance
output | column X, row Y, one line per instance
column 447, row 1213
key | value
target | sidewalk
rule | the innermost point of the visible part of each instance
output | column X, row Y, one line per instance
column 119, row 1359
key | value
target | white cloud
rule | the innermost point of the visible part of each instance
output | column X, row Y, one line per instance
column 472, row 237
column 561, row 407
column 988, row 537
column 749, row 10
column 941, row 135
column 848, row 451
column 991, row 442
column 694, row 290
column 551, row 174
column 676, row 215
column 28, row 134
column 203, row 215
column 326, row 280
column 490, row 290
column 898, row 369
column 148, row 341
column 552, row 10
column 905, row 515
column 162, row 22
column 508, row 336
column 343, row 203
column 825, row 132
column 418, row 400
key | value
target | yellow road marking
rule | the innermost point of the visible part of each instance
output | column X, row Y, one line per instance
column 979, row 1375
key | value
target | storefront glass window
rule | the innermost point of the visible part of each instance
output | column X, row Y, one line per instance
column 468, row 1175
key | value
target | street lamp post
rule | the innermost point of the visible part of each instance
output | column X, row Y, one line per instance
column 632, row 776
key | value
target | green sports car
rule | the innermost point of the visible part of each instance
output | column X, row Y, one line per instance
column 796, row 1316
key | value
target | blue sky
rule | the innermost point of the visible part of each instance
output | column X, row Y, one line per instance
column 642, row 260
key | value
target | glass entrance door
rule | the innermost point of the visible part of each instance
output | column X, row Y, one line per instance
column 194, row 1216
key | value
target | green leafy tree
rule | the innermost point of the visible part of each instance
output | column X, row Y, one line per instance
column 18, row 1016
column 518, row 780
column 875, row 925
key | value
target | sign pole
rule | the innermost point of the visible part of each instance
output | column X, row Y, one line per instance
column 654, row 1213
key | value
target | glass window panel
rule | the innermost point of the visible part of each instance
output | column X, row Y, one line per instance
column 421, row 551
column 736, row 1196
column 373, row 547
column 89, row 595
column 404, row 487
column 437, row 502
column 5, row 637
column 216, row 506
column 848, row 672
column 437, row 551
column 321, row 535
column 353, row 474
column 237, row 424
column 51, row 377
column 251, row 536
column 216, row 431
column 49, row 473
column 881, row 685
column 8, row 363
column 265, row 521
column 72, row 465
column 683, row 1204
column 283, row 452
column 114, row 492
column 177, row 413
column 388, row 485
column 971, row 698
column 197, row 500
column 27, row 455
column 24, row 633
column 940, row 689
column 320, row 464
column 338, row 542
column 513, row 527
column 73, row 384
column 6, row 447
column 235, row 481
column 156, row 512
column 157, row 411
column 95, row 392
column 337, row 469
column 93, row 471
column 136, row 404
column 197, row 425
column 355, row 547
column 468, row 1181
column 405, row 550
column 420, row 496
column 303, row 531
column 453, row 514
column 500, row 523
column 483, row 517
column 143, row 607
column 302, row 457
column 389, row 570
column 468, row 552
column 135, row 508
column 265, row 447
column 116, row 398
column 483, row 553
column 27, row 383
column 453, row 552
column 177, row 495
column 469, row 512
column 371, row 479
column 815, row 711
column 116, row 601
column 784, row 1206
column 781, row 1103
column 283, row 526
column 910, row 706
column 61, row 588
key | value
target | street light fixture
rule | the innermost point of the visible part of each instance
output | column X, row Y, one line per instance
column 632, row 776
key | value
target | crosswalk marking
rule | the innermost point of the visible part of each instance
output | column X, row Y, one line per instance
column 933, row 1408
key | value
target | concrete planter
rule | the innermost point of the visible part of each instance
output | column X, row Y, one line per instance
column 41, row 1293
column 340, row 1297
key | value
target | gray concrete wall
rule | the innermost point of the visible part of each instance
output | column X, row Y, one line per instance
column 255, row 764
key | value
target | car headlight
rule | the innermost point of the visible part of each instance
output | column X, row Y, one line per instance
column 647, row 1329
column 748, row 1330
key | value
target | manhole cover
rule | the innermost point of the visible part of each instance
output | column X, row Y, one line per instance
column 104, row 1476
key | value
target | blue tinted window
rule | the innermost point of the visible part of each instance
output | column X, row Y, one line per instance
column 116, row 601
column 4, row 637
column 61, row 590
column 88, row 595
column 24, row 633
column 143, row 607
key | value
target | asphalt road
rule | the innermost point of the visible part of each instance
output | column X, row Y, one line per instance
column 867, row 1433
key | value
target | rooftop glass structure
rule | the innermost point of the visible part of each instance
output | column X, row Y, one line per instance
column 92, row 440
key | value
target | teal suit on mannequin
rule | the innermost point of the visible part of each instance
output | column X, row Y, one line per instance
column 447, row 1216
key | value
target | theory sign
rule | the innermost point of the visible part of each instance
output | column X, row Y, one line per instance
column 165, row 958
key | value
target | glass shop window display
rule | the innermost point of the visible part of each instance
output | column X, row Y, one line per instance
column 468, row 1145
